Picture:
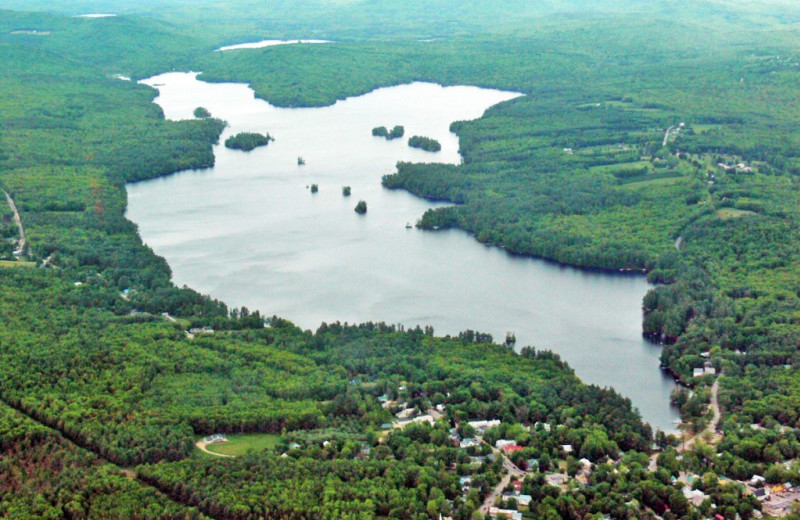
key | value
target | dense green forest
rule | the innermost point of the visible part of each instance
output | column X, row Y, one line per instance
column 247, row 141
column 396, row 132
column 663, row 143
column 424, row 143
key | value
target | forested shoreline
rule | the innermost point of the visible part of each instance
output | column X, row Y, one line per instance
column 589, row 169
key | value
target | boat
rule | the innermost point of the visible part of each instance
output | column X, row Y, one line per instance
column 300, row 161
column 408, row 225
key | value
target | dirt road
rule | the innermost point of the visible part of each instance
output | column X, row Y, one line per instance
column 21, row 243
column 201, row 445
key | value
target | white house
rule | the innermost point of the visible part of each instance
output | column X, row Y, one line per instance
column 482, row 426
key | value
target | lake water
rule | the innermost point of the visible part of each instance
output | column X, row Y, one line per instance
column 250, row 232
column 267, row 43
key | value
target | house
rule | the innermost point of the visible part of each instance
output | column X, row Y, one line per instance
column 440, row 408
column 502, row 443
column 406, row 413
column 698, row 372
column 216, row 438
column 556, row 479
column 482, row 426
column 709, row 371
column 524, row 500
column 756, row 479
column 201, row 330
column 468, row 443
column 517, row 485
column 567, row 448
column 695, row 496
column 505, row 513
column 421, row 419
column 512, row 449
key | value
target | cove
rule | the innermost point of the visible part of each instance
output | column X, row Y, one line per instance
column 267, row 43
column 250, row 232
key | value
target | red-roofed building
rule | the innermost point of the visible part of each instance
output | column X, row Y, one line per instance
column 512, row 449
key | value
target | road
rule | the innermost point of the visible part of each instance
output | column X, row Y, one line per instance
column 22, row 242
column 666, row 136
column 511, row 471
column 712, row 424
column 201, row 445
column 496, row 493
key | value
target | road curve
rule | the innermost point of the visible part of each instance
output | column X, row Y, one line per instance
column 201, row 445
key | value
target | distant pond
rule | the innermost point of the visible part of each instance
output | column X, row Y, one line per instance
column 251, row 232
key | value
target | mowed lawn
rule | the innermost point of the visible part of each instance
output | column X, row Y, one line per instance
column 241, row 444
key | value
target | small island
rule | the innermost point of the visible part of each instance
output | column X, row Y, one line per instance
column 424, row 143
column 346, row 191
column 314, row 188
column 201, row 113
column 247, row 141
column 361, row 207
column 381, row 131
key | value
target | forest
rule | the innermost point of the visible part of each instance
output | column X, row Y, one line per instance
column 247, row 141
column 668, row 149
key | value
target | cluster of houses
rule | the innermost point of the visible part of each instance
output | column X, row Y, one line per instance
column 409, row 415
column 707, row 369
column 741, row 167
column 776, row 500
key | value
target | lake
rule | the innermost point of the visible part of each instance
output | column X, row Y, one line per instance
column 250, row 232
column 268, row 43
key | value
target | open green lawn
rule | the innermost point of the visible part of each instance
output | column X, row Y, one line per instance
column 241, row 444
column 15, row 263
column 728, row 213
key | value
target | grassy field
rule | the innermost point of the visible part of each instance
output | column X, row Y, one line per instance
column 8, row 264
column 728, row 213
column 241, row 444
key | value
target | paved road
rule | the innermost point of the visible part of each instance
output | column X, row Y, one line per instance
column 491, row 500
column 512, row 470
